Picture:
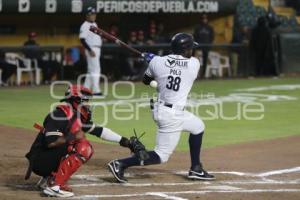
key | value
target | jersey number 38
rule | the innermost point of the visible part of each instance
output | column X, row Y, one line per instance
column 173, row 83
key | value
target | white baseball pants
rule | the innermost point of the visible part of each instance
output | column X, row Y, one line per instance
column 92, row 78
column 170, row 123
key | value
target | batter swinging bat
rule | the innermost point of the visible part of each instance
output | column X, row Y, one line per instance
column 114, row 39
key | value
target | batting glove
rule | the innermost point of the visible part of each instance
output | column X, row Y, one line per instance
column 148, row 56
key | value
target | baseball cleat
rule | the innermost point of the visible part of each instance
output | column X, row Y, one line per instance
column 117, row 169
column 198, row 173
column 56, row 191
column 98, row 95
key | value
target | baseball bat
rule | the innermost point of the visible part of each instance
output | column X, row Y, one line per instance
column 119, row 42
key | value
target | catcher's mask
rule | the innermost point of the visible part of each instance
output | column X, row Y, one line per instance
column 78, row 97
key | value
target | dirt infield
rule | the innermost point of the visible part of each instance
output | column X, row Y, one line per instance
column 256, row 170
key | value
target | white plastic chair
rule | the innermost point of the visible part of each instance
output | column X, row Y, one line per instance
column 12, row 58
column 225, row 64
column 37, row 72
column 26, row 69
column 216, row 65
column 31, row 67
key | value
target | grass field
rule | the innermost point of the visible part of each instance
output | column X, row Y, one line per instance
column 21, row 107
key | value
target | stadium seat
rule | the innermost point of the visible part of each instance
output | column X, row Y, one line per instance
column 31, row 66
column 217, row 64
column 37, row 72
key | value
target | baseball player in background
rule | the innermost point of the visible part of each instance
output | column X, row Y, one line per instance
column 92, row 44
column 175, row 75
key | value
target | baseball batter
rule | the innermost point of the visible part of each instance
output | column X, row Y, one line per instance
column 92, row 44
column 175, row 75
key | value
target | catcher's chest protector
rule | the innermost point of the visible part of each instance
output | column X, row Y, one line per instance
column 74, row 124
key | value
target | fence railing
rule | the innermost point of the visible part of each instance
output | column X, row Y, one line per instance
column 115, row 59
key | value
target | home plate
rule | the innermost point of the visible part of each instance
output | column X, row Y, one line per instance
column 221, row 187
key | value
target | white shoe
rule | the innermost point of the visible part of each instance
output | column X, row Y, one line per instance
column 42, row 183
column 55, row 191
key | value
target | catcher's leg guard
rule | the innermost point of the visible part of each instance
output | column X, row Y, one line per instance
column 82, row 152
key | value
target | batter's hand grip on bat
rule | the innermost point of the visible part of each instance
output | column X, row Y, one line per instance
column 148, row 56
column 94, row 29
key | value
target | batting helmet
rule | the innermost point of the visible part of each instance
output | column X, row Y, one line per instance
column 181, row 42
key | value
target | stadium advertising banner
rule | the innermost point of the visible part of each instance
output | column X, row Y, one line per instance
column 118, row 6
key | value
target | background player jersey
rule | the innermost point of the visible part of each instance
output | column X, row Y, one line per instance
column 91, row 38
column 175, row 76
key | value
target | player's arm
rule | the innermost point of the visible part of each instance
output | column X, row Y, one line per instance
column 149, row 75
column 147, row 79
column 85, row 44
column 105, row 134
column 54, row 127
column 196, row 67
column 87, row 47
column 82, row 36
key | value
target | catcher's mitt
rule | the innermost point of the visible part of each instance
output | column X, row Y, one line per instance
column 137, row 147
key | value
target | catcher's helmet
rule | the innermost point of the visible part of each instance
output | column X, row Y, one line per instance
column 77, row 92
column 77, row 96
column 181, row 42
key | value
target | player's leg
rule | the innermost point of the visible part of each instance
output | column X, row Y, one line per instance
column 95, row 78
column 165, row 145
column 195, row 126
column 167, row 138
column 81, row 152
column 88, row 81
column 118, row 166
column 47, row 161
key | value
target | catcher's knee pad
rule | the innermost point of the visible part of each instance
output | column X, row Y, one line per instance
column 84, row 150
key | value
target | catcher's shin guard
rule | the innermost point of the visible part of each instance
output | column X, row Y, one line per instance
column 81, row 153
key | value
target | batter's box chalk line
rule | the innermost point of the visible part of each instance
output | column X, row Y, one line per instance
column 255, row 179
column 246, row 174
column 221, row 186
column 171, row 195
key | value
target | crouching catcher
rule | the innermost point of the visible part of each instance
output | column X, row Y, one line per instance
column 61, row 148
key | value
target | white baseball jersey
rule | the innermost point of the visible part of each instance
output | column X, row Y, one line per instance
column 175, row 76
column 91, row 38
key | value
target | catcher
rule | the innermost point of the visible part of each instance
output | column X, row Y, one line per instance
column 61, row 147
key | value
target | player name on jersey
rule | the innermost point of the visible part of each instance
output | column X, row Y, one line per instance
column 175, row 72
